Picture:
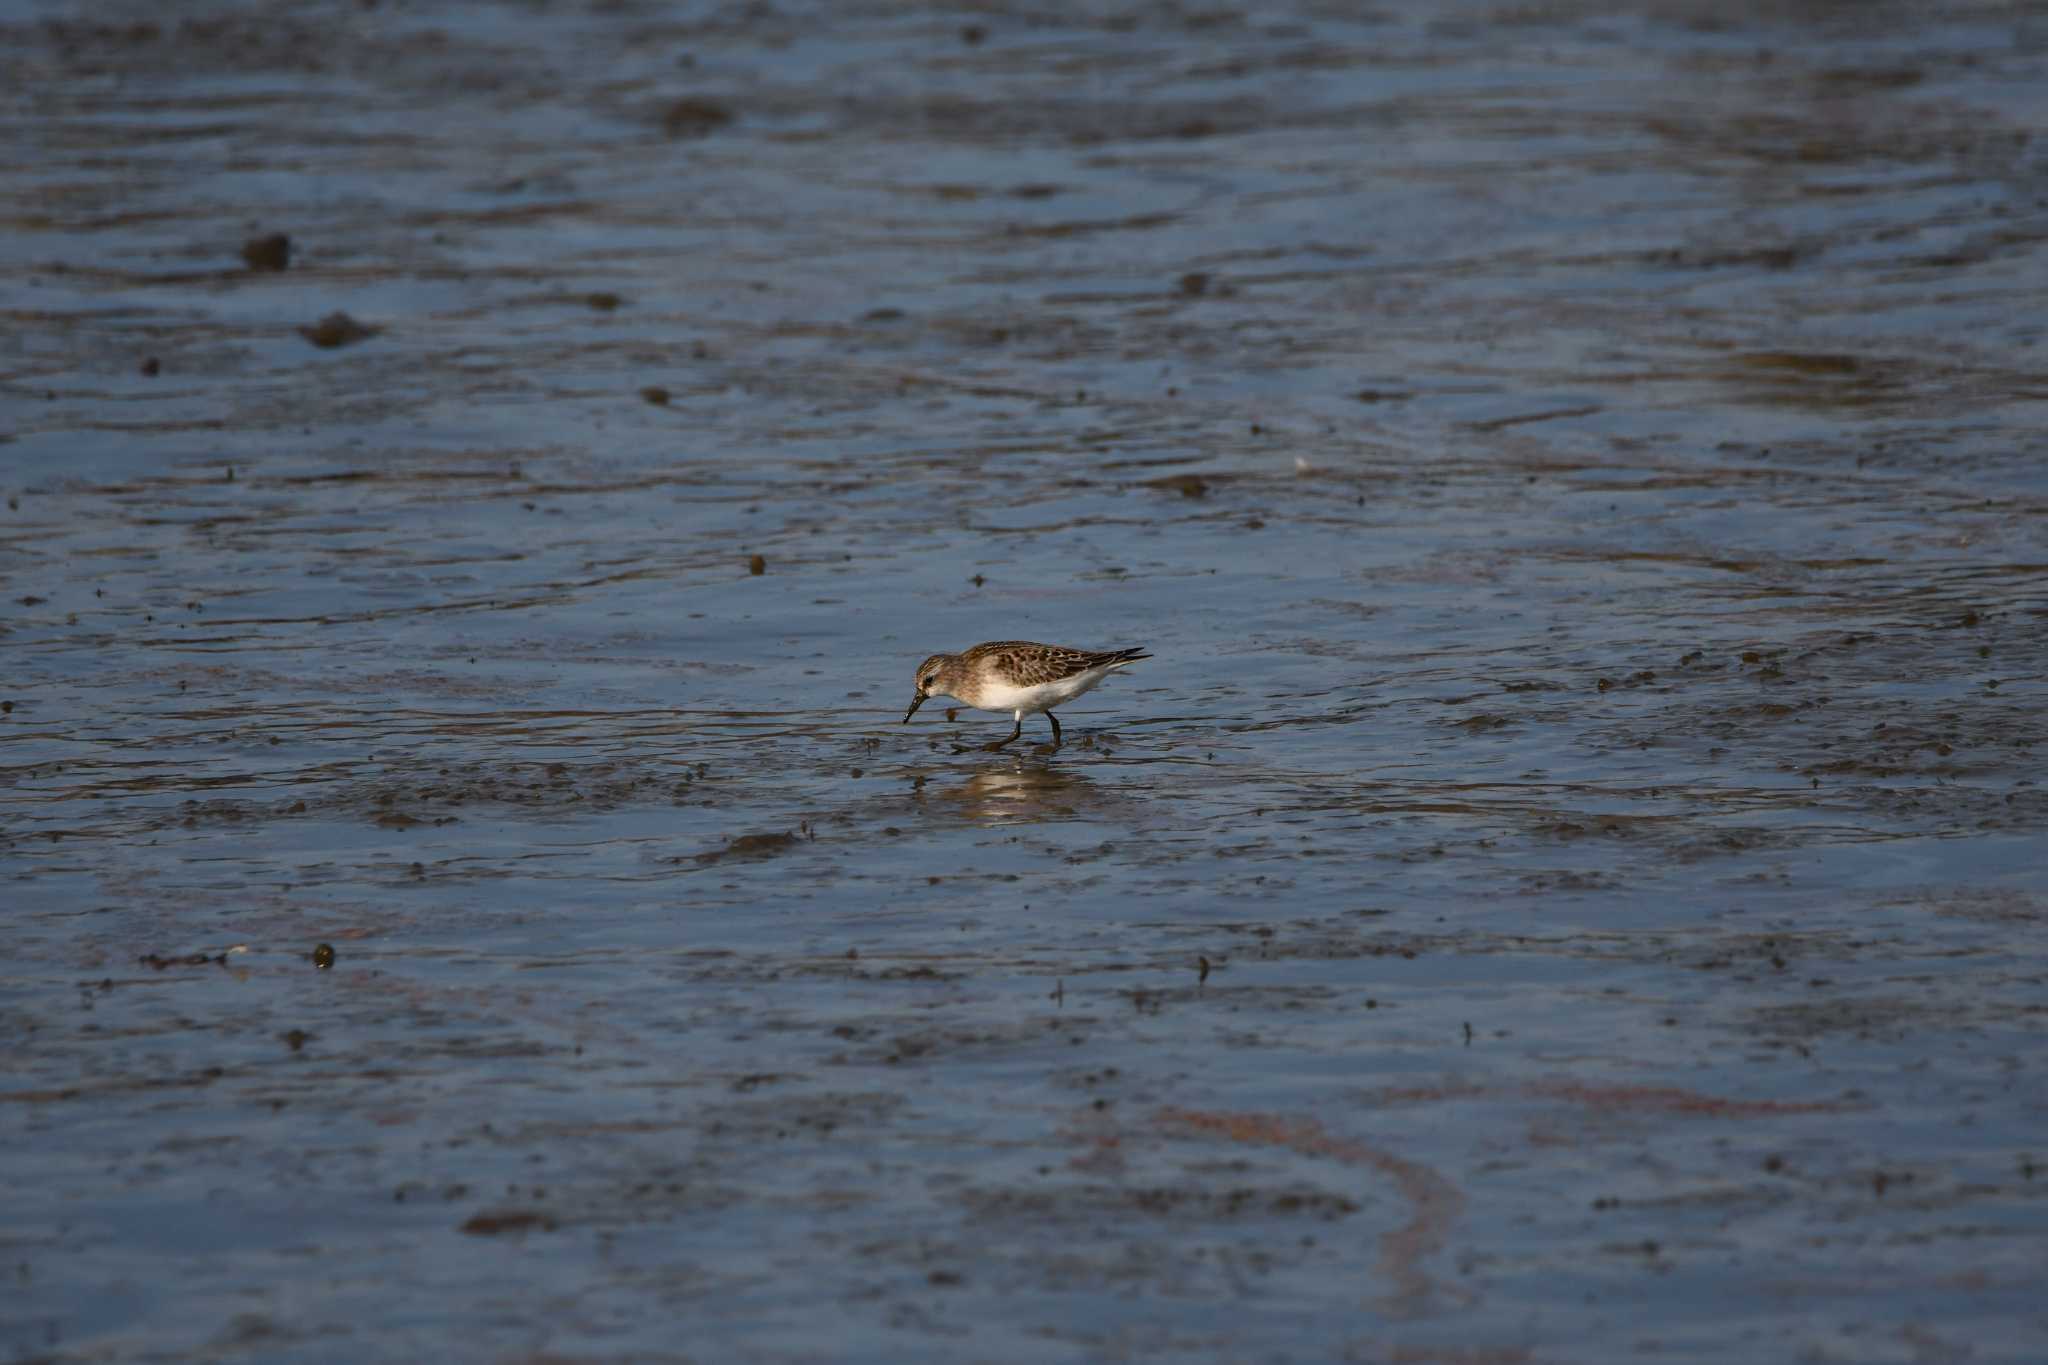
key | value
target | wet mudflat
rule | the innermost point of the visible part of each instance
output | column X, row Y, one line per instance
column 1568, row 887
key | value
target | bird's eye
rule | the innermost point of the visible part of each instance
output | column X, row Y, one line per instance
column 927, row 684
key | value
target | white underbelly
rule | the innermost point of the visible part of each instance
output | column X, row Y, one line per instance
column 1039, row 696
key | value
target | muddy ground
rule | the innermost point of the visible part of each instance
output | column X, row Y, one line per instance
column 478, row 478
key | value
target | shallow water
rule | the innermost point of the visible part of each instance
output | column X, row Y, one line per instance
column 1566, row 888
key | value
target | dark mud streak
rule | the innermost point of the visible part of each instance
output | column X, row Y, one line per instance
column 1436, row 1202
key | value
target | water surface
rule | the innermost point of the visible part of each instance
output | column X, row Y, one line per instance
column 1567, row 887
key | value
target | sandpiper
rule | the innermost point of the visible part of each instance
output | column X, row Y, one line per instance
column 1017, row 676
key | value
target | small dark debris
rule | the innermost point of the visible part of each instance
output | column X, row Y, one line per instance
column 151, row 367
column 512, row 1220
column 337, row 330
column 694, row 117
column 1194, row 283
column 272, row 251
column 603, row 300
column 751, row 846
column 1187, row 485
column 974, row 35
column 758, row 565
column 323, row 956
column 655, row 394
column 158, row 962
column 1203, row 964
column 296, row 1039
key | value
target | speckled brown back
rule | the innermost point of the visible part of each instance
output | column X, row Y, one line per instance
column 1025, row 663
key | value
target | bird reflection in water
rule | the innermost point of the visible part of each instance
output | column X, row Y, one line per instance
column 1018, row 794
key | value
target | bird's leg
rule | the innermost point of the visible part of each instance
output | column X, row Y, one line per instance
column 1056, row 740
column 1012, row 736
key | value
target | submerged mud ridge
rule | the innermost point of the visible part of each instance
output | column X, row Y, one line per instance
column 1567, row 885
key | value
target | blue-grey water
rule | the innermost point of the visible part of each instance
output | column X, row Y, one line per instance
column 1569, row 886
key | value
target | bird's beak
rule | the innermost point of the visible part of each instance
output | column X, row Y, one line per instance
column 915, row 702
